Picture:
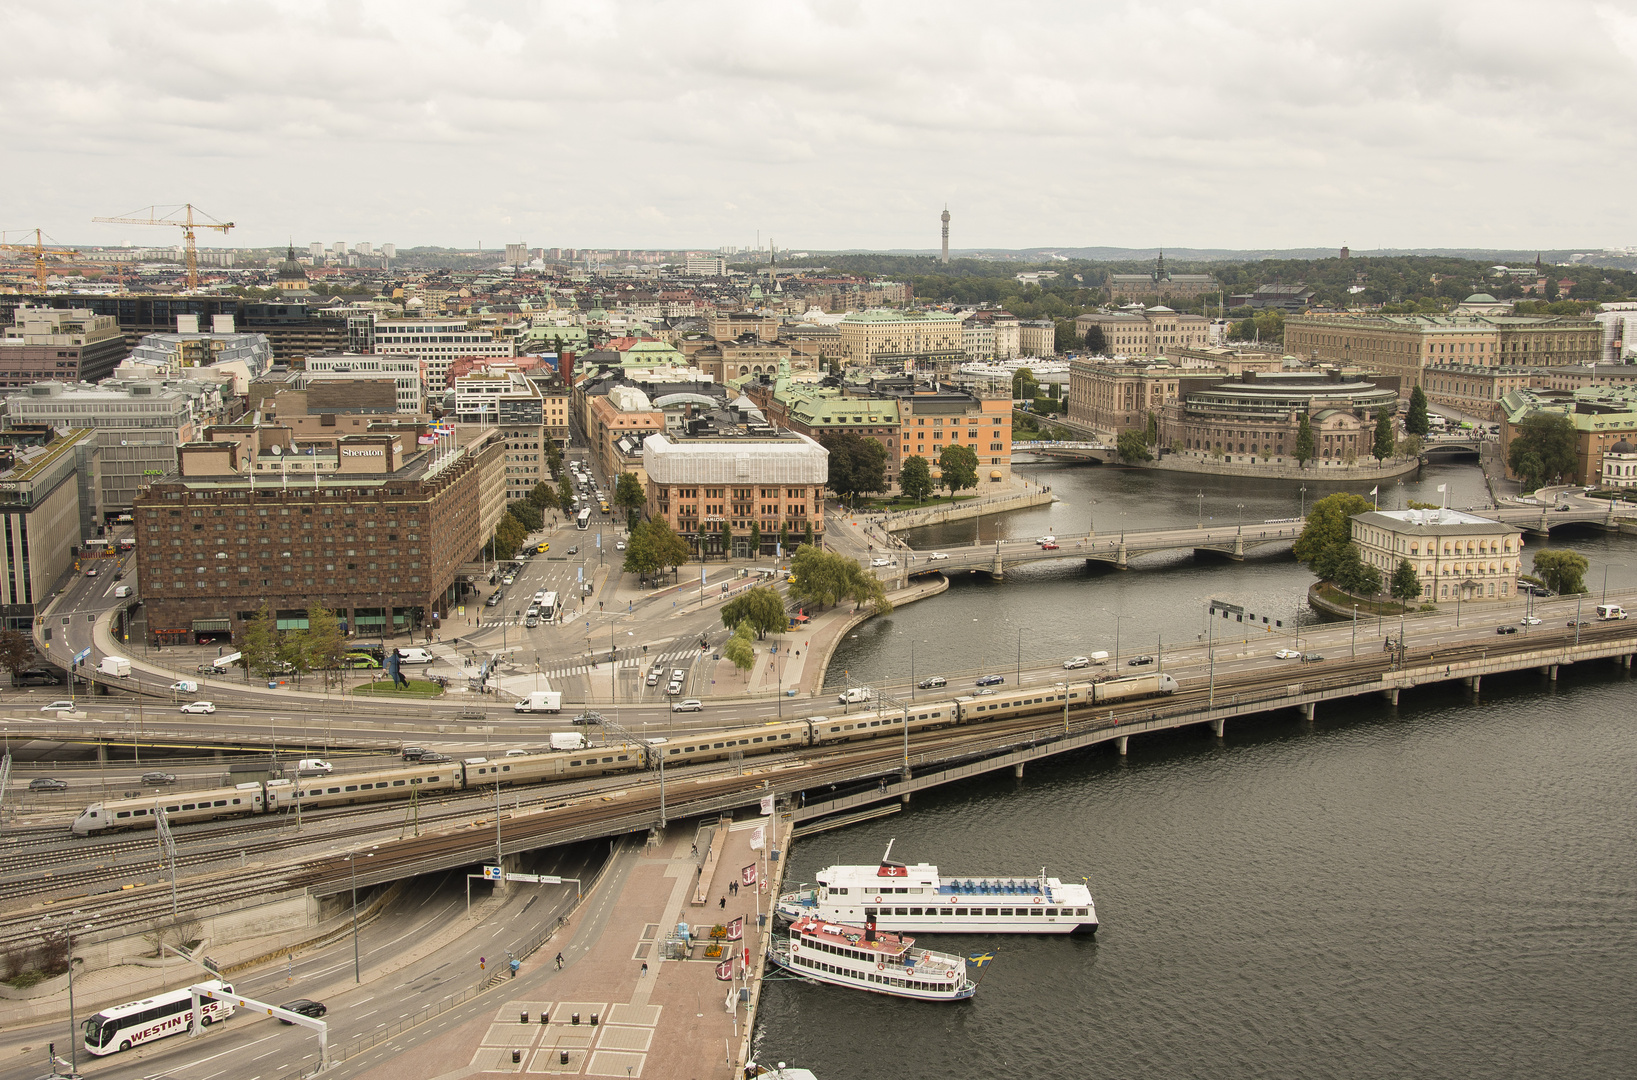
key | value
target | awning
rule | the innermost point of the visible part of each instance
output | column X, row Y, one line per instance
column 212, row 626
column 994, row 474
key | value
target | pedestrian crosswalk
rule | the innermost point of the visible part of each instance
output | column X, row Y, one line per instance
column 637, row 663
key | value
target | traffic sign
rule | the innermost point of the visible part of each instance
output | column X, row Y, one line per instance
column 535, row 879
column 79, row 657
column 491, row 873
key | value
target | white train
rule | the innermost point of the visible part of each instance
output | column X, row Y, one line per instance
column 279, row 796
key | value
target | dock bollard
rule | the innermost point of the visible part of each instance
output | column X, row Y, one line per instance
column 545, row 1018
column 562, row 1057
column 525, row 1017
column 574, row 1018
column 517, row 1056
column 593, row 1019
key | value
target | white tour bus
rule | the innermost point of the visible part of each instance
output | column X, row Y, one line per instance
column 584, row 520
column 138, row 1022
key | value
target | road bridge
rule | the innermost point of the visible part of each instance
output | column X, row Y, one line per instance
column 1224, row 541
column 1066, row 451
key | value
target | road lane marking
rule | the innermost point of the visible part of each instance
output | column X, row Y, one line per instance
column 224, row 1053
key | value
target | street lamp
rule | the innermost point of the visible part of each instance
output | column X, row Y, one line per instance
column 1239, row 516
column 1199, row 522
column 1606, row 580
column 352, row 865
column 1117, row 619
column 1303, row 514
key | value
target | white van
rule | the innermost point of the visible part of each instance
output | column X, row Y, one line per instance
column 122, row 591
column 414, row 656
column 1605, row 612
column 313, row 767
column 853, row 695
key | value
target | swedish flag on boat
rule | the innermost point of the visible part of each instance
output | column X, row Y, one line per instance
column 978, row 959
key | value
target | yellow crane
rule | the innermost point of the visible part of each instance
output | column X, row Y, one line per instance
column 182, row 218
column 41, row 254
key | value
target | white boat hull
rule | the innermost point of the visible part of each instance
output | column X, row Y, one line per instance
column 982, row 915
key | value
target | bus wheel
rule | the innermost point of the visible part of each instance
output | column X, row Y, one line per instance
column 204, row 1021
column 125, row 1044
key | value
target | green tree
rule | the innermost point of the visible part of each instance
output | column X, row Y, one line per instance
column 959, row 465
column 784, row 539
column 739, row 650
column 16, row 652
column 1406, row 584
column 1542, row 448
column 863, row 587
column 807, row 533
column 755, row 539
column 858, row 465
column 1415, row 421
column 915, row 478
column 726, row 533
column 509, row 536
column 259, row 644
column 1066, row 335
column 554, row 458
column 639, row 551
column 1383, row 448
column 1329, row 525
column 324, row 643
column 1342, row 564
column 1096, row 342
column 565, row 493
column 761, row 608
column 820, row 577
column 1304, row 442
column 669, row 550
column 628, row 495
column 1151, row 434
column 1132, row 446
column 1409, row 446
column 1024, row 385
column 543, row 496
column 527, row 514
column 1563, row 571
column 703, row 538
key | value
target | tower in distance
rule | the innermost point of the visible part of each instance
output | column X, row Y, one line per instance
column 946, row 234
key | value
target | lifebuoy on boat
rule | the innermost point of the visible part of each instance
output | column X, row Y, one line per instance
column 878, row 899
column 880, row 967
column 1037, row 899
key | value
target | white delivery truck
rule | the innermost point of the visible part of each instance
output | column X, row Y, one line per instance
column 1605, row 612
column 115, row 665
column 313, row 767
column 567, row 740
column 549, row 701
column 853, row 695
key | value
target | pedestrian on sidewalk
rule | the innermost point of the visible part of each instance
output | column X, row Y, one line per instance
column 559, row 961
column 724, row 903
column 644, row 971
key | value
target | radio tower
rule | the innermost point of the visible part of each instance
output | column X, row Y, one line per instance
column 946, row 234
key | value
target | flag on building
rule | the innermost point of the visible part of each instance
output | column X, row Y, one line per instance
column 749, row 874
column 724, row 970
column 736, row 929
column 767, row 804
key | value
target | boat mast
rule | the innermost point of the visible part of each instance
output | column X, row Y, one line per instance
column 888, row 855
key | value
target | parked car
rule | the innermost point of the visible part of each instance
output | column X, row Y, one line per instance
column 1076, row 662
column 46, row 783
column 1510, row 629
column 159, row 778
column 507, row 579
column 1288, row 654
column 586, row 719
column 932, row 682
column 304, row 1006
column 199, row 707
column 688, row 705
column 1139, row 661
column 991, row 680
column 58, row 706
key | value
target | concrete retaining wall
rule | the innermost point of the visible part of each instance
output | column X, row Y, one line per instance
column 965, row 511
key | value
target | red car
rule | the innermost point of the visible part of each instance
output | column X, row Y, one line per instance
column 1048, row 546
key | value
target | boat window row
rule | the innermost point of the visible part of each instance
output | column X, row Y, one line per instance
column 839, row 950
column 1005, row 913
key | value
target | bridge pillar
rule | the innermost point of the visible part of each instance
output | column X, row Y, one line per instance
column 904, row 798
column 1119, row 744
column 1017, row 770
column 1545, row 524
column 1307, row 710
column 996, row 568
column 1391, row 695
column 1119, row 557
column 1218, row 726
column 102, row 752
column 1474, row 683
column 1554, row 673
column 1239, row 546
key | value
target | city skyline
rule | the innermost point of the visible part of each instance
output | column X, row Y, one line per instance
column 831, row 126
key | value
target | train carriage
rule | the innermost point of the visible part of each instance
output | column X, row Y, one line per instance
column 180, row 809
column 556, row 765
column 718, row 745
column 342, row 790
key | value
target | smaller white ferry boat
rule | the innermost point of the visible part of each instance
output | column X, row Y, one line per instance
column 867, row 959
column 917, row 899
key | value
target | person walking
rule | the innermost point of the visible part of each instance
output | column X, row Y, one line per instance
column 559, row 961
column 644, row 971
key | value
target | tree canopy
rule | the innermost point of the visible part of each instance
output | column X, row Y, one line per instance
column 1133, row 446
column 1096, row 340
column 1024, row 384
column 1406, row 583
column 1329, row 525
column 761, row 608
column 959, row 465
column 858, row 465
column 823, row 578
column 915, row 478
column 1561, row 570
column 1542, row 448
column 1383, row 448
column 1416, row 421
column 16, row 651
column 1305, row 447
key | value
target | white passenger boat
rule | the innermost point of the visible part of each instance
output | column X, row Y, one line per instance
column 867, row 959
column 917, row 899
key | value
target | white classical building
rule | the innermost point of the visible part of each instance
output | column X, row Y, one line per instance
column 1620, row 465
column 1455, row 554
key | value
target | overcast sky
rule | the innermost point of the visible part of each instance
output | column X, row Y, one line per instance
column 1424, row 123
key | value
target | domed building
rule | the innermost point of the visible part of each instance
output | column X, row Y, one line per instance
column 292, row 280
column 1620, row 465
column 1483, row 304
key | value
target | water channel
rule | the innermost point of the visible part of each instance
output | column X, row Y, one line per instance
column 1444, row 888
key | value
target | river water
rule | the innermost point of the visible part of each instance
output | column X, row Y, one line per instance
column 1444, row 888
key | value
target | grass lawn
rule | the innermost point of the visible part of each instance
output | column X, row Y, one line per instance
column 418, row 688
column 1386, row 607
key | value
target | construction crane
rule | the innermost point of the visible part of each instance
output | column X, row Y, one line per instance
column 41, row 254
column 168, row 215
